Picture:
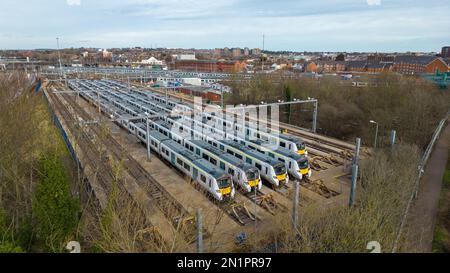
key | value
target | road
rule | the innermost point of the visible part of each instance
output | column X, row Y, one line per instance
column 422, row 219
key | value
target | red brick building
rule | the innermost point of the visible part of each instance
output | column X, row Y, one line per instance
column 209, row 66
column 330, row 66
column 411, row 65
column 379, row 67
column 200, row 91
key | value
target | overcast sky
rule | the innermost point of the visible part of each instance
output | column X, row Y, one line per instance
column 298, row 25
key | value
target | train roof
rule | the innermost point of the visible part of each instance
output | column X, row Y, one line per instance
column 196, row 160
column 250, row 152
column 158, row 136
column 290, row 138
column 223, row 155
column 281, row 151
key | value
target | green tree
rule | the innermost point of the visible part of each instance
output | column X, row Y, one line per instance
column 55, row 209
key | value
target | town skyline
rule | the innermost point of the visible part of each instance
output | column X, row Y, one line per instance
column 313, row 26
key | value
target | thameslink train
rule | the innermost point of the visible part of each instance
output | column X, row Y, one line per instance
column 244, row 174
column 211, row 178
column 296, row 164
column 270, row 169
column 291, row 143
column 283, row 141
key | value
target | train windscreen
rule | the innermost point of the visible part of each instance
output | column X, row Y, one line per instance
column 280, row 169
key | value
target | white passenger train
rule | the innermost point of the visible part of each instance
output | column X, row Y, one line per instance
column 211, row 178
column 257, row 156
column 271, row 170
column 296, row 164
column 245, row 175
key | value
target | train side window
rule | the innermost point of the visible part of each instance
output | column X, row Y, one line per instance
column 197, row 151
column 231, row 171
column 239, row 156
column 222, row 165
column 272, row 155
column 187, row 167
column 230, row 152
column 179, row 162
column 213, row 161
column 282, row 144
column 203, row 178
column 248, row 160
column 258, row 166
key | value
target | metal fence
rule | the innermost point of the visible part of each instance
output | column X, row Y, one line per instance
column 422, row 163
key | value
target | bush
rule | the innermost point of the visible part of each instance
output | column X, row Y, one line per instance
column 411, row 106
column 382, row 193
column 56, row 211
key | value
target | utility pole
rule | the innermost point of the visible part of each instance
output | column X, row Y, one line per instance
column 167, row 88
column 254, row 224
column 295, row 205
column 314, row 125
column 354, row 173
column 376, row 133
column 392, row 139
column 59, row 59
column 199, row 231
column 98, row 100
column 148, row 141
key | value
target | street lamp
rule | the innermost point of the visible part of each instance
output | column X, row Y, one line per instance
column 376, row 133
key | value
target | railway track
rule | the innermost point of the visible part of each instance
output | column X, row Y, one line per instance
column 169, row 206
column 103, row 174
column 316, row 186
column 87, row 146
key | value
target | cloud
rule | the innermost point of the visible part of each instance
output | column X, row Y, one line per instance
column 73, row 2
column 373, row 2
